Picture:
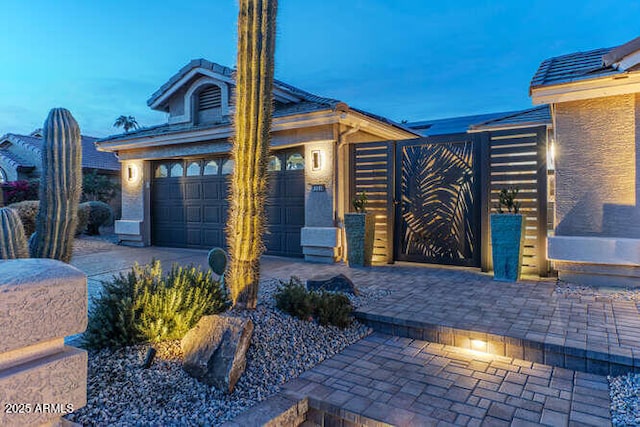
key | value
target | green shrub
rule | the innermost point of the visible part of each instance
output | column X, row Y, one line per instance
column 27, row 211
column 293, row 298
column 83, row 218
column 98, row 187
column 326, row 308
column 332, row 309
column 99, row 214
column 143, row 306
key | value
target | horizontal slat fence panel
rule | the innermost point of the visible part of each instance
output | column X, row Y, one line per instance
column 518, row 159
column 372, row 172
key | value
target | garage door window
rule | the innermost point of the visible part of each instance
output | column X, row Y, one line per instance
column 275, row 164
column 295, row 161
column 227, row 167
column 162, row 171
column 177, row 170
column 210, row 168
column 193, row 169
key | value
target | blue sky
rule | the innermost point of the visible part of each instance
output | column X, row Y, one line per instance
column 403, row 59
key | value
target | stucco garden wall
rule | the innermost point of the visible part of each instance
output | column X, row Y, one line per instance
column 596, row 177
column 41, row 378
column 597, row 239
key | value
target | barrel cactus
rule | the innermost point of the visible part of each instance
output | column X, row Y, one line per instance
column 13, row 242
column 60, row 187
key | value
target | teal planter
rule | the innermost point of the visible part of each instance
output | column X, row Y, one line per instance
column 507, row 240
column 360, row 230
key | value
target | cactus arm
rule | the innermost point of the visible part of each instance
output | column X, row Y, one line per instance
column 13, row 242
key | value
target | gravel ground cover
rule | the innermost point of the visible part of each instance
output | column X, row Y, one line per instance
column 120, row 392
column 624, row 390
column 84, row 244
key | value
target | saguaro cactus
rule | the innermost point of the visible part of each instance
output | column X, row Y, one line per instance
column 13, row 242
column 254, row 87
column 60, row 187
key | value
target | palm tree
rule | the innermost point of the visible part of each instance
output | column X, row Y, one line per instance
column 127, row 123
column 254, row 86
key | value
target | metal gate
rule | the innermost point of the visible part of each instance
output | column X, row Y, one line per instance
column 437, row 201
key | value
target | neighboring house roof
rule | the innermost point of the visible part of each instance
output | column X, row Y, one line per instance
column 533, row 116
column 16, row 161
column 91, row 157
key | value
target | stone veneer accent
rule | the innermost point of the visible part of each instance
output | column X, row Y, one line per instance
column 41, row 302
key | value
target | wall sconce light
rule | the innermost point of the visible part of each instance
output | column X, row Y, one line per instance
column 132, row 173
column 316, row 160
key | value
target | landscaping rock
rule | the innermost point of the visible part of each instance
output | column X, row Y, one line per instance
column 215, row 350
column 339, row 283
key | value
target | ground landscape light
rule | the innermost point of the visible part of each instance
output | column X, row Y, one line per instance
column 479, row 345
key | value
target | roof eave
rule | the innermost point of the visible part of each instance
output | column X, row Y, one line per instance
column 377, row 127
column 294, row 121
column 610, row 85
column 521, row 125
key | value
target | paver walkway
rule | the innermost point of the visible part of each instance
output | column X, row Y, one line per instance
column 408, row 382
column 404, row 381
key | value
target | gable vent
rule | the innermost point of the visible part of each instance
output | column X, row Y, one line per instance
column 210, row 97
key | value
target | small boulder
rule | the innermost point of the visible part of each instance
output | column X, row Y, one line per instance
column 215, row 350
column 339, row 283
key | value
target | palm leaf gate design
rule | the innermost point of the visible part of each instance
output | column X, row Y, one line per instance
column 437, row 215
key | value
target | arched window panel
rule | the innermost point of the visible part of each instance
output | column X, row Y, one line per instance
column 3, row 176
column 193, row 169
column 210, row 97
column 162, row 171
column 210, row 168
column 295, row 161
column 177, row 170
column 227, row 166
column 274, row 164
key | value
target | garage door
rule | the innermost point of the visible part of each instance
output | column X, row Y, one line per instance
column 189, row 203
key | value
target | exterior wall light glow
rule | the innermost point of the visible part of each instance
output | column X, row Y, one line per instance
column 316, row 160
column 132, row 173
column 479, row 345
column 551, row 156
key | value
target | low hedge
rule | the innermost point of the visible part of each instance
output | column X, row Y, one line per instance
column 327, row 308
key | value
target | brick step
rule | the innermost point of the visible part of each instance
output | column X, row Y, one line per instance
column 616, row 361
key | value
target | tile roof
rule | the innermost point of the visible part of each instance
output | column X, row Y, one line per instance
column 540, row 115
column 573, row 67
column 15, row 160
column 451, row 124
column 308, row 103
column 230, row 72
column 281, row 110
column 533, row 116
column 91, row 157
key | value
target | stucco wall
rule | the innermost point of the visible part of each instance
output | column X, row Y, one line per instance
column 318, row 205
column 596, row 167
column 302, row 135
